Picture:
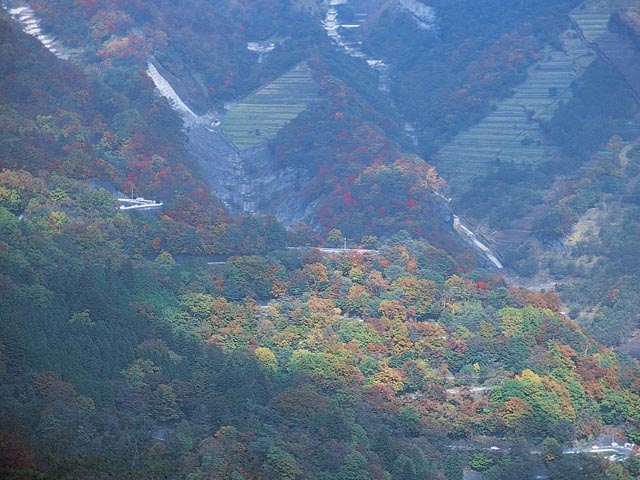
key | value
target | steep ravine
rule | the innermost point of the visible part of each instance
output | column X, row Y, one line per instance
column 245, row 180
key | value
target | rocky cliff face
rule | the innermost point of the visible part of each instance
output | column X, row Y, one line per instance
column 247, row 181
column 275, row 191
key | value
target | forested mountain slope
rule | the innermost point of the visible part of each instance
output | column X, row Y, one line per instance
column 188, row 342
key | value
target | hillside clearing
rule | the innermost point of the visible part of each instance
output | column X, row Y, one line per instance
column 259, row 117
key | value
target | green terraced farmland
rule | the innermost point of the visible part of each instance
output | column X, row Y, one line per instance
column 259, row 117
column 511, row 132
column 591, row 19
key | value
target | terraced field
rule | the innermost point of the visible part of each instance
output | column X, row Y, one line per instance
column 511, row 132
column 591, row 19
column 259, row 117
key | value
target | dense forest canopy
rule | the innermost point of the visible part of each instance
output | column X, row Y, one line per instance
column 190, row 341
